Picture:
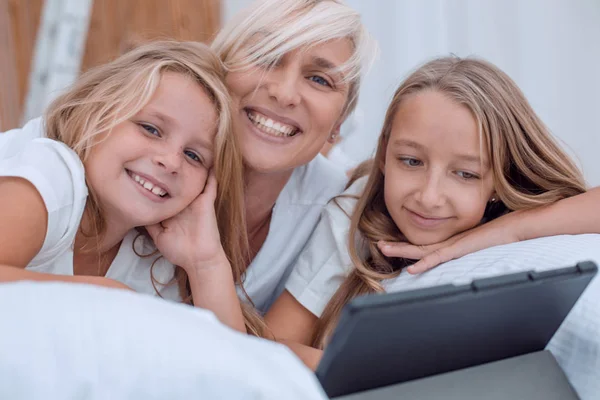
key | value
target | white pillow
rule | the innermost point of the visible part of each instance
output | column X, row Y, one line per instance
column 64, row 341
column 576, row 344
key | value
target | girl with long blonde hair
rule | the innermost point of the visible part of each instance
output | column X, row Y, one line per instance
column 462, row 158
column 139, row 142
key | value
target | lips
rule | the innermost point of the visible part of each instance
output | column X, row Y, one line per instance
column 425, row 221
column 151, row 186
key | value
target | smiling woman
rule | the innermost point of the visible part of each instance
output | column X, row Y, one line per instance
column 293, row 71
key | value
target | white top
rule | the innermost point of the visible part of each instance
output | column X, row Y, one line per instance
column 58, row 175
column 295, row 216
column 324, row 264
column 63, row 341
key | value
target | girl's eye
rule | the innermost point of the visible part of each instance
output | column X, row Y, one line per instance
column 467, row 175
column 193, row 156
column 411, row 162
column 319, row 80
column 150, row 129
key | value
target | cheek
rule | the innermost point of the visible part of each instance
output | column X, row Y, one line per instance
column 193, row 184
column 470, row 206
column 326, row 112
column 239, row 84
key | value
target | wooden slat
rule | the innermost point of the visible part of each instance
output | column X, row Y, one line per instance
column 116, row 25
column 19, row 21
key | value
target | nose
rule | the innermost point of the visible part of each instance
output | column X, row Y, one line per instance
column 169, row 160
column 430, row 194
column 282, row 86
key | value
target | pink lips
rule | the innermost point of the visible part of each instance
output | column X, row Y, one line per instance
column 425, row 222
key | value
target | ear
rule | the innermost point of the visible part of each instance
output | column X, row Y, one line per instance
column 334, row 136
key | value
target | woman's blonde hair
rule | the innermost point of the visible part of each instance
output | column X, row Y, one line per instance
column 268, row 29
column 110, row 94
column 529, row 168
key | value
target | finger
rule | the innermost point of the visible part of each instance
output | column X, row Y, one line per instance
column 154, row 231
column 405, row 250
column 210, row 189
column 431, row 261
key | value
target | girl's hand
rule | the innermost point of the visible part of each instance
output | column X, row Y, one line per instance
column 191, row 239
column 502, row 230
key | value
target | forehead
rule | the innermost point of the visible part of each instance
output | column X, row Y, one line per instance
column 439, row 123
column 183, row 103
column 337, row 52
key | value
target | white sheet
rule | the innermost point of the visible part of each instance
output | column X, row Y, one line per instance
column 60, row 341
column 576, row 344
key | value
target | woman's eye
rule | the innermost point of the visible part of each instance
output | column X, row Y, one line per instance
column 411, row 162
column 467, row 175
column 193, row 156
column 150, row 129
column 319, row 80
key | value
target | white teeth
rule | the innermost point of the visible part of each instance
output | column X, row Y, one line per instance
column 148, row 185
column 270, row 126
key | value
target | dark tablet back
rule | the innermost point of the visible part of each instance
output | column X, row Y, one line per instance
column 396, row 337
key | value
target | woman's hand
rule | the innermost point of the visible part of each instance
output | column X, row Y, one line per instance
column 502, row 230
column 191, row 239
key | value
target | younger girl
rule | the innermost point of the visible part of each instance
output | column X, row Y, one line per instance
column 460, row 146
column 139, row 142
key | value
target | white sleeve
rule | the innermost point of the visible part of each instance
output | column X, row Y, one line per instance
column 58, row 175
column 324, row 263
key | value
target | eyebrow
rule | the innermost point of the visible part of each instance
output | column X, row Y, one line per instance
column 327, row 65
column 418, row 146
column 408, row 143
column 170, row 122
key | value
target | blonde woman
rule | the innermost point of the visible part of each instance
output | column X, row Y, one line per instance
column 293, row 71
column 460, row 148
column 138, row 142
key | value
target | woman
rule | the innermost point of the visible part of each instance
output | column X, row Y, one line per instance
column 294, row 71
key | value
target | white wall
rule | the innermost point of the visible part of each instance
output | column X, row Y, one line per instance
column 549, row 47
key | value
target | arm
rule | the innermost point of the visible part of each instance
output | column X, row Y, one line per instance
column 23, row 221
column 213, row 289
column 23, row 224
column 290, row 321
column 15, row 274
column 294, row 326
column 191, row 240
column 574, row 215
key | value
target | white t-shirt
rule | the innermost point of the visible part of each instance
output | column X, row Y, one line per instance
column 58, row 175
column 295, row 216
column 325, row 262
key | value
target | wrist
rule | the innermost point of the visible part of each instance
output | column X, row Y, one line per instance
column 207, row 268
column 520, row 224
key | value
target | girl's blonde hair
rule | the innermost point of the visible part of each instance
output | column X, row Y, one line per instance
column 529, row 168
column 110, row 94
column 268, row 29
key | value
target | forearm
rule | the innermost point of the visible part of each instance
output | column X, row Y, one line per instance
column 15, row 274
column 574, row 215
column 213, row 289
column 309, row 355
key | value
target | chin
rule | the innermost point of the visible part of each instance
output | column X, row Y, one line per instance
column 425, row 238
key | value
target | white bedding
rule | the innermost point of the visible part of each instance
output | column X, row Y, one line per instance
column 60, row 341
column 576, row 345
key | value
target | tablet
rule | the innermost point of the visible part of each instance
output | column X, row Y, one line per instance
column 390, row 338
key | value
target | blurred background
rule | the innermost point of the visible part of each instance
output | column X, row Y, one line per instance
column 551, row 48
